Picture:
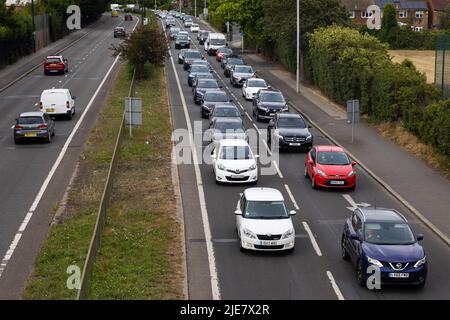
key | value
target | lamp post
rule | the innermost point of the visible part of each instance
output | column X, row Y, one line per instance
column 195, row 8
column 34, row 26
column 298, row 46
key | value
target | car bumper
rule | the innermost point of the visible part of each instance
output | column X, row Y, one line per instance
column 335, row 182
column 31, row 135
column 307, row 145
column 416, row 276
column 229, row 177
column 268, row 113
column 261, row 245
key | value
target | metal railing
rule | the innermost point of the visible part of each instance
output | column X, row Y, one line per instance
column 102, row 211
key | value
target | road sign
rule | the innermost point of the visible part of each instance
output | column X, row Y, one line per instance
column 133, row 112
column 353, row 115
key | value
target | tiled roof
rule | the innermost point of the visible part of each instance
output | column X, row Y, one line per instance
column 404, row 4
column 439, row 5
column 357, row 5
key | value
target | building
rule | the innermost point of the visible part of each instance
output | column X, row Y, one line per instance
column 411, row 12
column 436, row 7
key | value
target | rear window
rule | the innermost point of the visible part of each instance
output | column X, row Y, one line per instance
column 53, row 60
column 30, row 120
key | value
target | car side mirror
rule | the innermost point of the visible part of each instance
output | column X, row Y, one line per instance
column 238, row 212
column 310, row 162
column 74, row 98
column 419, row 237
column 36, row 104
column 203, row 58
column 65, row 60
column 355, row 236
column 309, row 126
column 354, row 163
column 231, row 100
column 292, row 213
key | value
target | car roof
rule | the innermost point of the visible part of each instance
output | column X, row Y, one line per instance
column 329, row 148
column 55, row 90
column 377, row 214
column 233, row 142
column 227, row 119
column 216, row 92
column 289, row 115
column 220, row 106
column 49, row 57
column 208, row 80
column 263, row 194
column 270, row 91
column 255, row 79
column 32, row 114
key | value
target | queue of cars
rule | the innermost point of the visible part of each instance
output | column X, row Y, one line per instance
column 372, row 237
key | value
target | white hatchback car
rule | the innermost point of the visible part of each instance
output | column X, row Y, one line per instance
column 57, row 102
column 263, row 222
column 195, row 27
column 234, row 162
column 252, row 86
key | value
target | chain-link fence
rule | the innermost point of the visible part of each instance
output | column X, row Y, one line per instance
column 442, row 65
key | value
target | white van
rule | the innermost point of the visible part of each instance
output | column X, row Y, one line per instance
column 215, row 41
column 57, row 102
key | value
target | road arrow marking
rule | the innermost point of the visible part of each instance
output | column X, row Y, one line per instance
column 353, row 204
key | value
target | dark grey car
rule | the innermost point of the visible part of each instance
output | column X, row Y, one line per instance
column 34, row 126
column 212, row 98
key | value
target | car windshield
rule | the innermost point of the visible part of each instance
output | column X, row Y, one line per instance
column 175, row 30
column 226, row 112
column 226, row 50
column 272, row 97
column 291, row 122
column 200, row 62
column 216, row 97
column 235, row 61
column 256, row 84
column 120, row 29
column 182, row 37
column 243, row 69
column 199, row 68
column 332, row 158
column 229, row 127
column 194, row 25
column 193, row 55
column 265, row 210
column 204, row 76
column 30, row 120
column 388, row 233
column 235, row 153
column 204, row 35
column 207, row 84
column 218, row 42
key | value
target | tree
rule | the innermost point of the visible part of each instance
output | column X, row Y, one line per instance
column 444, row 18
column 389, row 21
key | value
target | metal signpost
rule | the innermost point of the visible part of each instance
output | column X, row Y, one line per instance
column 133, row 114
column 353, row 115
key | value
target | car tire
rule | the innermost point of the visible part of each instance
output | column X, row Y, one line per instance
column 421, row 285
column 359, row 274
column 344, row 253
column 313, row 183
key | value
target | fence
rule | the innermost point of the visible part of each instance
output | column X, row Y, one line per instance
column 102, row 211
column 442, row 65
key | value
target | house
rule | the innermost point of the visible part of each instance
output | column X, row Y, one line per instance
column 436, row 8
column 411, row 12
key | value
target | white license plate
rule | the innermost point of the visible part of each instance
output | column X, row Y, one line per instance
column 337, row 182
column 398, row 275
column 271, row 114
column 268, row 243
column 295, row 144
column 237, row 177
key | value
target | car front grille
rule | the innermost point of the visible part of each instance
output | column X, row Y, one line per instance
column 257, row 246
column 267, row 237
column 237, row 171
column 328, row 183
column 229, row 178
column 294, row 139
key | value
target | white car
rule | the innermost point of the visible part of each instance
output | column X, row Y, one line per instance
column 252, row 86
column 188, row 23
column 195, row 27
column 234, row 162
column 263, row 221
column 57, row 102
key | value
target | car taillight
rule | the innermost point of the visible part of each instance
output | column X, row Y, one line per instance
column 40, row 104
column 42, row 126
column 18, row 126
column 67, row 104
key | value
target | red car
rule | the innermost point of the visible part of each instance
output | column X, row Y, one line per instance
column 223, row 53
column 57, row 64
column 330, row 167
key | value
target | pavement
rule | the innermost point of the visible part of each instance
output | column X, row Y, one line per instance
column 216, row 267
column 34, row 176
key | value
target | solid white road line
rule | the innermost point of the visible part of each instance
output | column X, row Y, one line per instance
column 201, row 195
column 313, row 239
column 267, row 147
column 292, row 197
column 277, row 168
column 335, row 286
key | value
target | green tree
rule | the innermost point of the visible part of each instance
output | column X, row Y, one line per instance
column 444, row 18
column 389, row 21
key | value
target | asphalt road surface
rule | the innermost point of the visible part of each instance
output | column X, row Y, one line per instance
column 24, row 168
column 315, row 270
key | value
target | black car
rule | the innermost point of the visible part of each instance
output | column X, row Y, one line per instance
column 204, row 85
column 182, row 42
column 224, row 111
column 289, row 131
column 212, row 98
column 128, row 17
column 189, row 57
column 34, row 126
column 202, row 36
column 119, row 32
column 230, row 63
column 267, row 103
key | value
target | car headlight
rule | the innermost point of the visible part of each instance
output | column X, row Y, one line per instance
column 420, row 262
column 321, row 173
column 351, row 173
column 285, row 108
column 252, row 167
column 374, row 262
column 288, row 234
column 248, row 234
column 309, row 138
column 263, row 108
column 221, row 166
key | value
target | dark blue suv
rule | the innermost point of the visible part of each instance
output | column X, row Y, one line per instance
column 383, row 238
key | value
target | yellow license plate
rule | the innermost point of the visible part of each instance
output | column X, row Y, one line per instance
column 30, row 135
column 50, row 110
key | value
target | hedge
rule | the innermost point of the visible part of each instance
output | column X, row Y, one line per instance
column 346, row 65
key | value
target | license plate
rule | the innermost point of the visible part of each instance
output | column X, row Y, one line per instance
column 337, row 182
column 53, row 65
column 398, row 275
column 30, row 134
column 237, row 177
column 268, row 243
column 271, row 114
column 294, row 144
column 50, row 110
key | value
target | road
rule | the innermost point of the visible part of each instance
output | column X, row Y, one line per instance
column 25, row 168
column 315, row 269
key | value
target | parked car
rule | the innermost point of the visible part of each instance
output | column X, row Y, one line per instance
column 56, row 64
column 210, row 99
column 182, row 41
column 57, row 102
column 223, row 110
column 190, row 56
column 204, row 85
column 267, row 103
column 226, row 128
column 382, row 238
column 195, row 27
column 194, row 70
column 119, row 32
column 263, row 221
column 330, row 167
column 222, row 53
column 239, row 74
column 289, row 131
column 251, row 86
column 231, row 62
column 33, row 126
column 234, row 162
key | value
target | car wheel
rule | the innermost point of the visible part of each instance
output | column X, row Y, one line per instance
column 313, row 182
column 70, row 116
column 421, row 285
column 360, row 275
column 344, row 253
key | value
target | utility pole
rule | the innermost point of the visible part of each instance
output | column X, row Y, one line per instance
column 195, row 8
column 34, row 26
column 298, row 46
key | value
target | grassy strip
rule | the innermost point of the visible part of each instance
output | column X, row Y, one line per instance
column 68, row 242
column 141, row 256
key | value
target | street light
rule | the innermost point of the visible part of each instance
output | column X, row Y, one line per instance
column 298, row 46
column 34, row 28
column 195, row 8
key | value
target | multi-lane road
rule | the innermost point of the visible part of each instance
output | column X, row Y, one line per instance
column 315, row 270
column 34, row 176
